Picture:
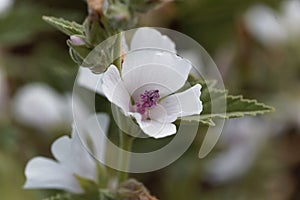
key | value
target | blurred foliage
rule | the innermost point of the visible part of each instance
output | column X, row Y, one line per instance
column 12, row 179
column 30, row 46
column 212, row 23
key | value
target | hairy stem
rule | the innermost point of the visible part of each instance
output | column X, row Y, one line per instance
column 118, row 52
column 125, row 139
column 126, row 144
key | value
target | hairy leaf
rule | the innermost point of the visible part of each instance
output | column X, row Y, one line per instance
column 60, row 197
column 67, row 27
column 218, row 104
column 198, row 118
column 236, row 106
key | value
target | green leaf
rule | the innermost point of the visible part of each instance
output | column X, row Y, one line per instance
column 79, row 53
column 60, row 197
column 90, row 187
column 120, row 16
column 236, row 106
column 71, row 197
column 67, row 27
column 213, row 97
column 102, row 175
column 198, row 118
column 208, row 96
column 94, row 32
column 107, row 195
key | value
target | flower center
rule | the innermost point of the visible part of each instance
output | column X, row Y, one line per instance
column 147, row 100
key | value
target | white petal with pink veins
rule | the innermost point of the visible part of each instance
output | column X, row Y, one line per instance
column 151, row 38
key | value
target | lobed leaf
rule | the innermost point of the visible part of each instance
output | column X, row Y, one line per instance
column 65, row 26
column 236, row 106
column 198, row 118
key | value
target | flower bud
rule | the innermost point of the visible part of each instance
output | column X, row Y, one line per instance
column 76, row 40
column 119, row 15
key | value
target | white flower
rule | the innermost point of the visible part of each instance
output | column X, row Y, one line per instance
column 285, row 116
column 146, row 87
column 89, row 80
column 40, row 106
column 71, row 159
column 264, row 24
column 271, row 27
column 5, row 5
column 291, row 16
column 243, row 137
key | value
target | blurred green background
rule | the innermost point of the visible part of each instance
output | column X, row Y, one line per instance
column 256, row 45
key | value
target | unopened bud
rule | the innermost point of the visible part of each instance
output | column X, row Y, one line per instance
column 76, row 40
column 119, row 15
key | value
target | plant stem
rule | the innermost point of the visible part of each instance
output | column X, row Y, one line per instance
column 126, row 144
column 125, row 139
column 118, row 52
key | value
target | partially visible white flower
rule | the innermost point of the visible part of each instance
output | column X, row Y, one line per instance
column 71, row 159
column 89, row 80
column 243, row 137
column 41, row 107
column 271, row 27
column 147, row 84
column 291, row 17
column 265, row 25
column 285, row 116
column 5, row 5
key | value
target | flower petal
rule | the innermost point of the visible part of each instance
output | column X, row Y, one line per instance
column 5, row 6
column 160, row 114
column 185, row 103
column 95, row 125
column 39, row 106
column 262, row 22
column 150, row 38
column 154, row 128
column 45, row 173
column 136, row 59
column 114, row 89
column 71, row 154
column 86, row 78
column 155, row 76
